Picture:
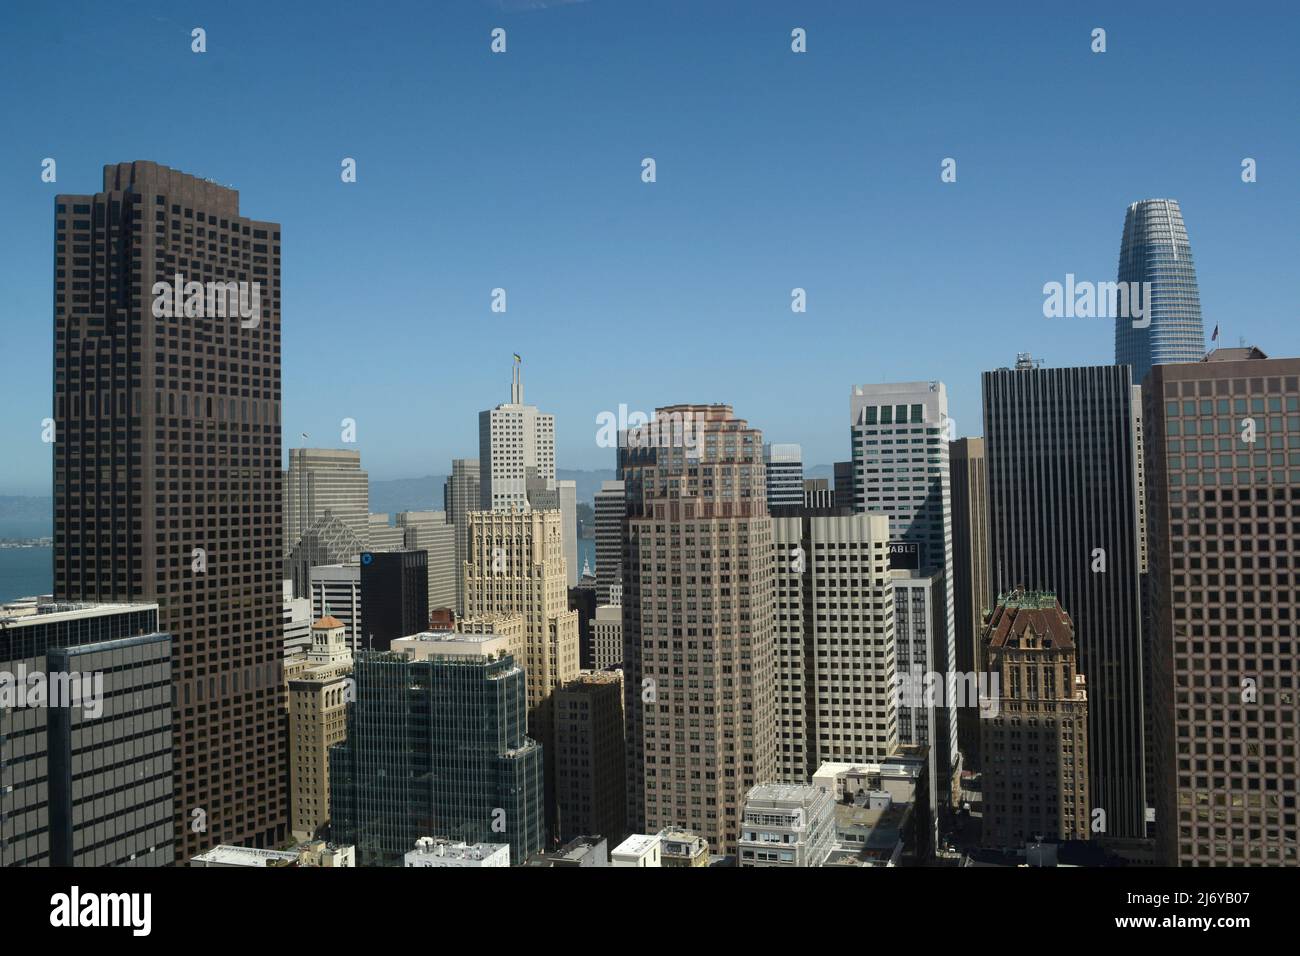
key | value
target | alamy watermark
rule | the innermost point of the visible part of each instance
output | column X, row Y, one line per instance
column 212, row 300
column 1098, row 300
column 57, row 690
column 635, row 429
column 921, row 688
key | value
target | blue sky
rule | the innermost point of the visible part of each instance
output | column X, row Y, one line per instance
column 775, row 170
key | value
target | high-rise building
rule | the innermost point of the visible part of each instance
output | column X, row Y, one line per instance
column 845, row 495
column 85, row 771
column 787, row 825
column 394, row 596
column 317, row 683
column 589, row 753
column 432, row 533
column 834, row 636
column 609, row 510
column 383, row 535
column 436, row 746
column 516, row 444
column 297, row 618
column 1035, row 731
column 562, row 496
column 698, row 603
column 320, row 482
column 784, row 475
column 335, row 591
column 1063, row 517
column 607, row 637
column 817, row 493
column 516, row 566
column 900, row 461
column 1155, row 249
column 460, row 496
column 970, row 568
column 167, row 467
column 1223, row 487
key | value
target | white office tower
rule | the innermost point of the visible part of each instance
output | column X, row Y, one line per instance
column 786, row 825
column 324, row 481
column 834, row 640
column 449, row 854
column 784, row 474
column 297, row 622
column 547, row 494
column 900, row 467
column 431, row 532
column 336, row 592
column 516, row 442
column 609, row 509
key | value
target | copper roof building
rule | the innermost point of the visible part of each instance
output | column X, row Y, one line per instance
column 1035, row 727
column 1223, row 486
column 167, row 469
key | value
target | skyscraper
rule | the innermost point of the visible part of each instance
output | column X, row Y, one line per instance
column 436, row 747
column 324, row 481
column 1223, row 472
column 394, row 596
column 460, row 496
column 970, row 568
column 589, row 751
column 1155, row 249
column 1063, row 517
column 167, row 468
column 516, row 443
column 698, row 595
column 784, row 466
column 432, row 533
column 900, row 462
column 608, row 511
column 834, row 636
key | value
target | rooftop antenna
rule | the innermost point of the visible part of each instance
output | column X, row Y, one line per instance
column 517, row 381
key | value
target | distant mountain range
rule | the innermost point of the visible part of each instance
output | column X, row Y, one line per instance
column 33, row 516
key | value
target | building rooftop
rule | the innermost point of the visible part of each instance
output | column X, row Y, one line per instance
column 34, row 610
column 1036, row 612
column 328, row 622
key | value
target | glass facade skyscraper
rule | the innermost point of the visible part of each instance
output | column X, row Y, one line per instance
column 1155, row 250
column 436, row 747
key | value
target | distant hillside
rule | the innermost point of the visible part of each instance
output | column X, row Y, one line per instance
column 406, row 494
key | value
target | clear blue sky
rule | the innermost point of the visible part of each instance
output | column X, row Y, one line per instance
column 775, row 170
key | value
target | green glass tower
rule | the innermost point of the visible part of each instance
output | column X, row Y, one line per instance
column 437, row 747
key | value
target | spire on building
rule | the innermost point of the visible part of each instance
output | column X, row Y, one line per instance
column 517, row 382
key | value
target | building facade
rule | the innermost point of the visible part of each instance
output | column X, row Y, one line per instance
column 1223, row 487
column 589, row 756
column 461, row 495
column 516, row 443
column 436, row 746
column 1063, row 517
column 148, row 397
column 325, row 481
column 970, row 568
column 834, row 637
column 1035, row 737
column 394, row 596
column 609, row 512
column 698, row 603
column 784, row 464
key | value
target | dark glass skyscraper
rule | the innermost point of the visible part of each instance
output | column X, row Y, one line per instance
column 436, row 747
column 167, row 469
column 1155, row 249
column 1061, row 453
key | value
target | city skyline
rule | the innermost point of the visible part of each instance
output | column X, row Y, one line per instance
column 856, row 186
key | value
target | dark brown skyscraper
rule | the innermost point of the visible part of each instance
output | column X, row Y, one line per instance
column 1223, row 506
column 970, row 571
column 167, row 467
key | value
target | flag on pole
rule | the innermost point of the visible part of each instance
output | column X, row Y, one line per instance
column 517, row 358
column 1215, row 336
